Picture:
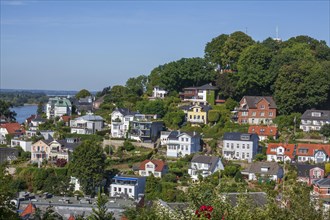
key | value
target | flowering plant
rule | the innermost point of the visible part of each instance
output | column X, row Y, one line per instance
column 204, row 211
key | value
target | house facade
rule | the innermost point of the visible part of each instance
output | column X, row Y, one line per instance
column 279, row 152
column 40, row 151
column 321, row 188
column 8, row 154
column 313, row 120
column 240, row 146
column 87, row 124
column 204, row 94
column 56, row 107
column 24, row 144
column 264, row 132
column 197, row 114
column 204, row 166
column 182, row 143
column 309, row 173
column 14, row 129
column 155, row 167
column 145, row 128
column 120, row 119
column 263, row 171
column 127, row 186
column 256, row 110
column 158, row 93
column 317, row 153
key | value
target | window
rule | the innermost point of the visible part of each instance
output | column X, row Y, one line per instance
column 227, row 145
column 244, row 113
column 270, row 113
column 130, row 190
column 237, row 146
column 247, row 155
column 119, row 189
column 237, row 154
column 280, row 150
column 254, row 113
column 232, row 146
column 262, row 106
column 182, row 139
column 243, row 146
column 186, row 139
column 115, row 189
column 262, row 113
column 248, row 146
column 186, row 147
column 243, row 155
column 190, row 117
column 203, row 117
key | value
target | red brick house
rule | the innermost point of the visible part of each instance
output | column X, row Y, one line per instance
column 309, row 173
column 264, row 132
column 256, row 110
column 321, row 188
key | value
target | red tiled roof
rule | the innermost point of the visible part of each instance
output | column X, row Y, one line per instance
column 158, row 163
column 263, row 130
column 30, row 209
column 13, row 128
column 312, row 148
column 66, row 118
column 220, row 101
column 288, row 149
column 29, row 119
column 71, row 217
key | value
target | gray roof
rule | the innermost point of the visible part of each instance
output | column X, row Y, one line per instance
column 273, row 168
column 256, row 198
column 253, row 100
column 90, row 118
column 124, row 111
column 212, row 160
column 303, row 169
column 325, row 182
column 238, row 136
column 207, row 87
column 38, row 118
column 325, row 115
column 205, row 108
column 174, row 135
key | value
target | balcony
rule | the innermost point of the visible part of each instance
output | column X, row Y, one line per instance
column 196, row 120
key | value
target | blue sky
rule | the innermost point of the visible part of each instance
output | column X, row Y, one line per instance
column 71, row 45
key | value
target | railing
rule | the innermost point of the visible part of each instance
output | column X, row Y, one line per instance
column 196, row 120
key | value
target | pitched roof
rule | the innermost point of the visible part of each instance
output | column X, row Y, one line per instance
column 238, row 136
column 38, row 118
column 257, row 198
column 13, row 128
column 312, row 148
column 207, row 87
column 325, row 115
column 263, row 130
column 211, row 160
column 90, row 118
column 71, row 217
column 174, row 135
column 251, row 101
column 160, row 165
column 303, row 169
column 272, row 167
column 325, row 182
column 288, row 149
column 29, row 210
column 124, row 111
column 65, row 118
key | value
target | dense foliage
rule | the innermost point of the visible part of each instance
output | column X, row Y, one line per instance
column 5, row 110
column 19, row 98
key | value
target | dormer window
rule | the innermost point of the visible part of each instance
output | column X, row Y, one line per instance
column 316, row 114
column 262, row 106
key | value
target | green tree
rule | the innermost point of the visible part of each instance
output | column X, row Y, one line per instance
column 325, row 130
column 101, row 212
column 227, row 84
column 152, row 107
column 253, row 69
column 137, row 86
column 213, row 116
column 40, row 109
column 83, row 93
column 87, row 164
column 173, row 119
column 302, row 83
column 234, row 46
column 5, row 110
column 214, row 48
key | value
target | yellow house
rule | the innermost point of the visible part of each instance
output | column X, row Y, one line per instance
column 197, row 114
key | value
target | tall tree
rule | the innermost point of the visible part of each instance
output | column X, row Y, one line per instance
column 227, row 84
column 137, row 86
column 88, row 163
column 5, row 110
column 83, row 93
column 40, row 108
column 101, row 212
column 233, row 47
column 253, row 69
column 214, row 48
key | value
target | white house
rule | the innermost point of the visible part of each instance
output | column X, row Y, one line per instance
column 264, row 171
column 279, row 152
column 24, row 144
column 156, row 167
column 158, row 93
column 313, row 120
column 240, row 146
column 87, row 124
column 182, row 143
column 75, row 182
column 204, row 166
column 127, row 186
column 120, row 119
column 56, row 107
column 34, row 124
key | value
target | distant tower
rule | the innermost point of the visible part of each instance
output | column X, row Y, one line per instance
column 277, row 38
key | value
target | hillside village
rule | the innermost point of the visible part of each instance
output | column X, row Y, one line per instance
column 219, row 137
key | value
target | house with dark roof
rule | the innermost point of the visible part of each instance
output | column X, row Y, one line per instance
column 264, row 171
column 197, row 114
column 280, row 152
column 156, row 167
column 309, row 173
column 256, row 110
column 120, row 119
column 180, row 143
column 145, row 128
column 264, row 131
column 8, row 154
column 58, row 106
column 240, row 146
column 35, row 122
column 321, row 188
column 257, row 199
column 203, row 94
column 313, row 120
column 204, row 166
column 87, row 124
column 127, row 186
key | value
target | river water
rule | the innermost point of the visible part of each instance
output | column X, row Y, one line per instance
column 24, row 112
